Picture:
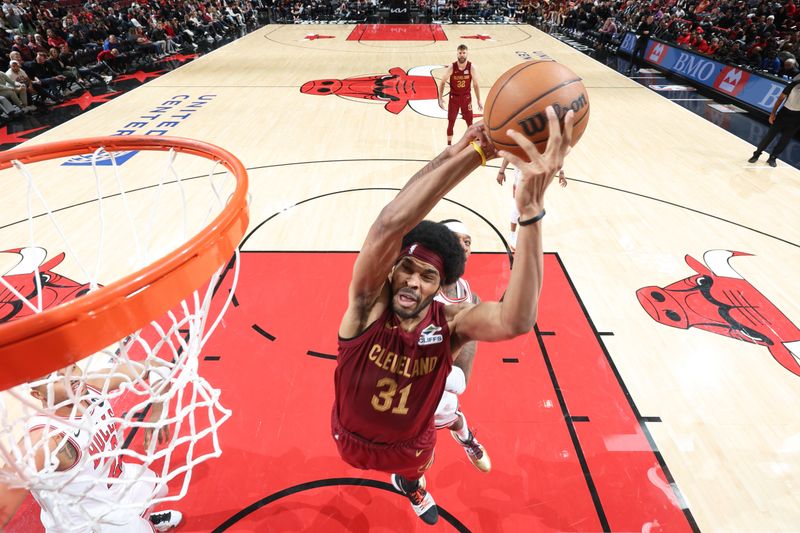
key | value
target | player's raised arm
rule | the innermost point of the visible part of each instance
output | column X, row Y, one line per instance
column 406, row 210
column 516, row 314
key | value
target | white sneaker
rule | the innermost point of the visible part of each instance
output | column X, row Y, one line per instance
column 421, row 500
column 165, row 520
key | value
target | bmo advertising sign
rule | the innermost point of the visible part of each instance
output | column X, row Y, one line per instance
column 747, row 87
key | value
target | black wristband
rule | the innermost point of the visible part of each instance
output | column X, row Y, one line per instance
column 533, row 220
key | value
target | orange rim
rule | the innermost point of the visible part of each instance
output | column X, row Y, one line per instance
column 37, row 344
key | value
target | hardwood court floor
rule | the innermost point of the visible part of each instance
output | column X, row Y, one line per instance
column 603, row 419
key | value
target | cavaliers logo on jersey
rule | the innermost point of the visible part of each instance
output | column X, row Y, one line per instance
column 430, row 335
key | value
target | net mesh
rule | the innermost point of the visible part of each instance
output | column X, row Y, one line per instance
column 102, row 441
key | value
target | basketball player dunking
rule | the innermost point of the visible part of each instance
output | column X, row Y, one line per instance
column 396, row 342
column 462, row 76
column 448, row 414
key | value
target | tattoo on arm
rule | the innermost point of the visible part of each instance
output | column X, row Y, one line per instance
column 436, row 162
column 67, row 456
column 466, row 356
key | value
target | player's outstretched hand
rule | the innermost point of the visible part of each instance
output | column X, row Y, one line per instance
column 540, row 172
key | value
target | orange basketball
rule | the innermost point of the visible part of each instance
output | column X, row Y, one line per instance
column 519, row 99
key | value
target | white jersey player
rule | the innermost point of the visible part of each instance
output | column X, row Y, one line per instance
column 79, row 482
column 501, row 178
column 447, row 413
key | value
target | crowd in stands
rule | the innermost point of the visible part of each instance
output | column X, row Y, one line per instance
column 757, row 34
column 373, row 11
column 53, row 49
column 50, row 50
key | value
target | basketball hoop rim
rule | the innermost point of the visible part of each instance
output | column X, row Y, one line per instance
column 37, row 344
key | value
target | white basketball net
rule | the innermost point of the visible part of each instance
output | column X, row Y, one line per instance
column 75, row 438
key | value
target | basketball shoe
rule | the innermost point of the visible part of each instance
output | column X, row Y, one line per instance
column 475, row 451
column 420, row 499
column 165, row 520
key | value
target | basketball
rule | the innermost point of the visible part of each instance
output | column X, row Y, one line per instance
column 518, row 100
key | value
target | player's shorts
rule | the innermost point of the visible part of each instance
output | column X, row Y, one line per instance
column 446, row 411
column 409, row 458
column 461, row 103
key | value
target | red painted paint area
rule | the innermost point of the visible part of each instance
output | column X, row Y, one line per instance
column 397, row 32
column 278, row 448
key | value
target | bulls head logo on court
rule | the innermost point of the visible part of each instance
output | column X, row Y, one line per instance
column 416, row 89
column 718, row 299
column 55, row 288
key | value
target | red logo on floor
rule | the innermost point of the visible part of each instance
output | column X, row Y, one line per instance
column 417, row 89
column 54, row 287
column 718, row 299
column 397, row 32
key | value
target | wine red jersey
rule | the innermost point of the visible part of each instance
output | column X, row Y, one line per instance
column 389, row 381
column 461, row 80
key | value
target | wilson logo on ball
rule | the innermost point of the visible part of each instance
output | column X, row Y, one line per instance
column 538, row 122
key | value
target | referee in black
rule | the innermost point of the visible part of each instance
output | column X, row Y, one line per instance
column 786, row 122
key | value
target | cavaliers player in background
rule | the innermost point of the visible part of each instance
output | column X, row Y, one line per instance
column 66, row 435
column 448, row 414
column 462, row 76
column 396, row 343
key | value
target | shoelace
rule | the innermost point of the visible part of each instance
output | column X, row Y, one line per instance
column 472, row 446
column 417, row 496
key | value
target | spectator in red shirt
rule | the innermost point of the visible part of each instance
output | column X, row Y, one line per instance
column 791, row 9
column 54, row 40
column 712, row 46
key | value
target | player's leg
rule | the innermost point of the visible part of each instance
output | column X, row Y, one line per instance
column 466, row 109
column 512, row 238
column 466, row 438
column 410, row 482
column 448, row 416
column 452, row 114
column 772, row 132
column 789, row 126
column 407, row 465
column 141, row 488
